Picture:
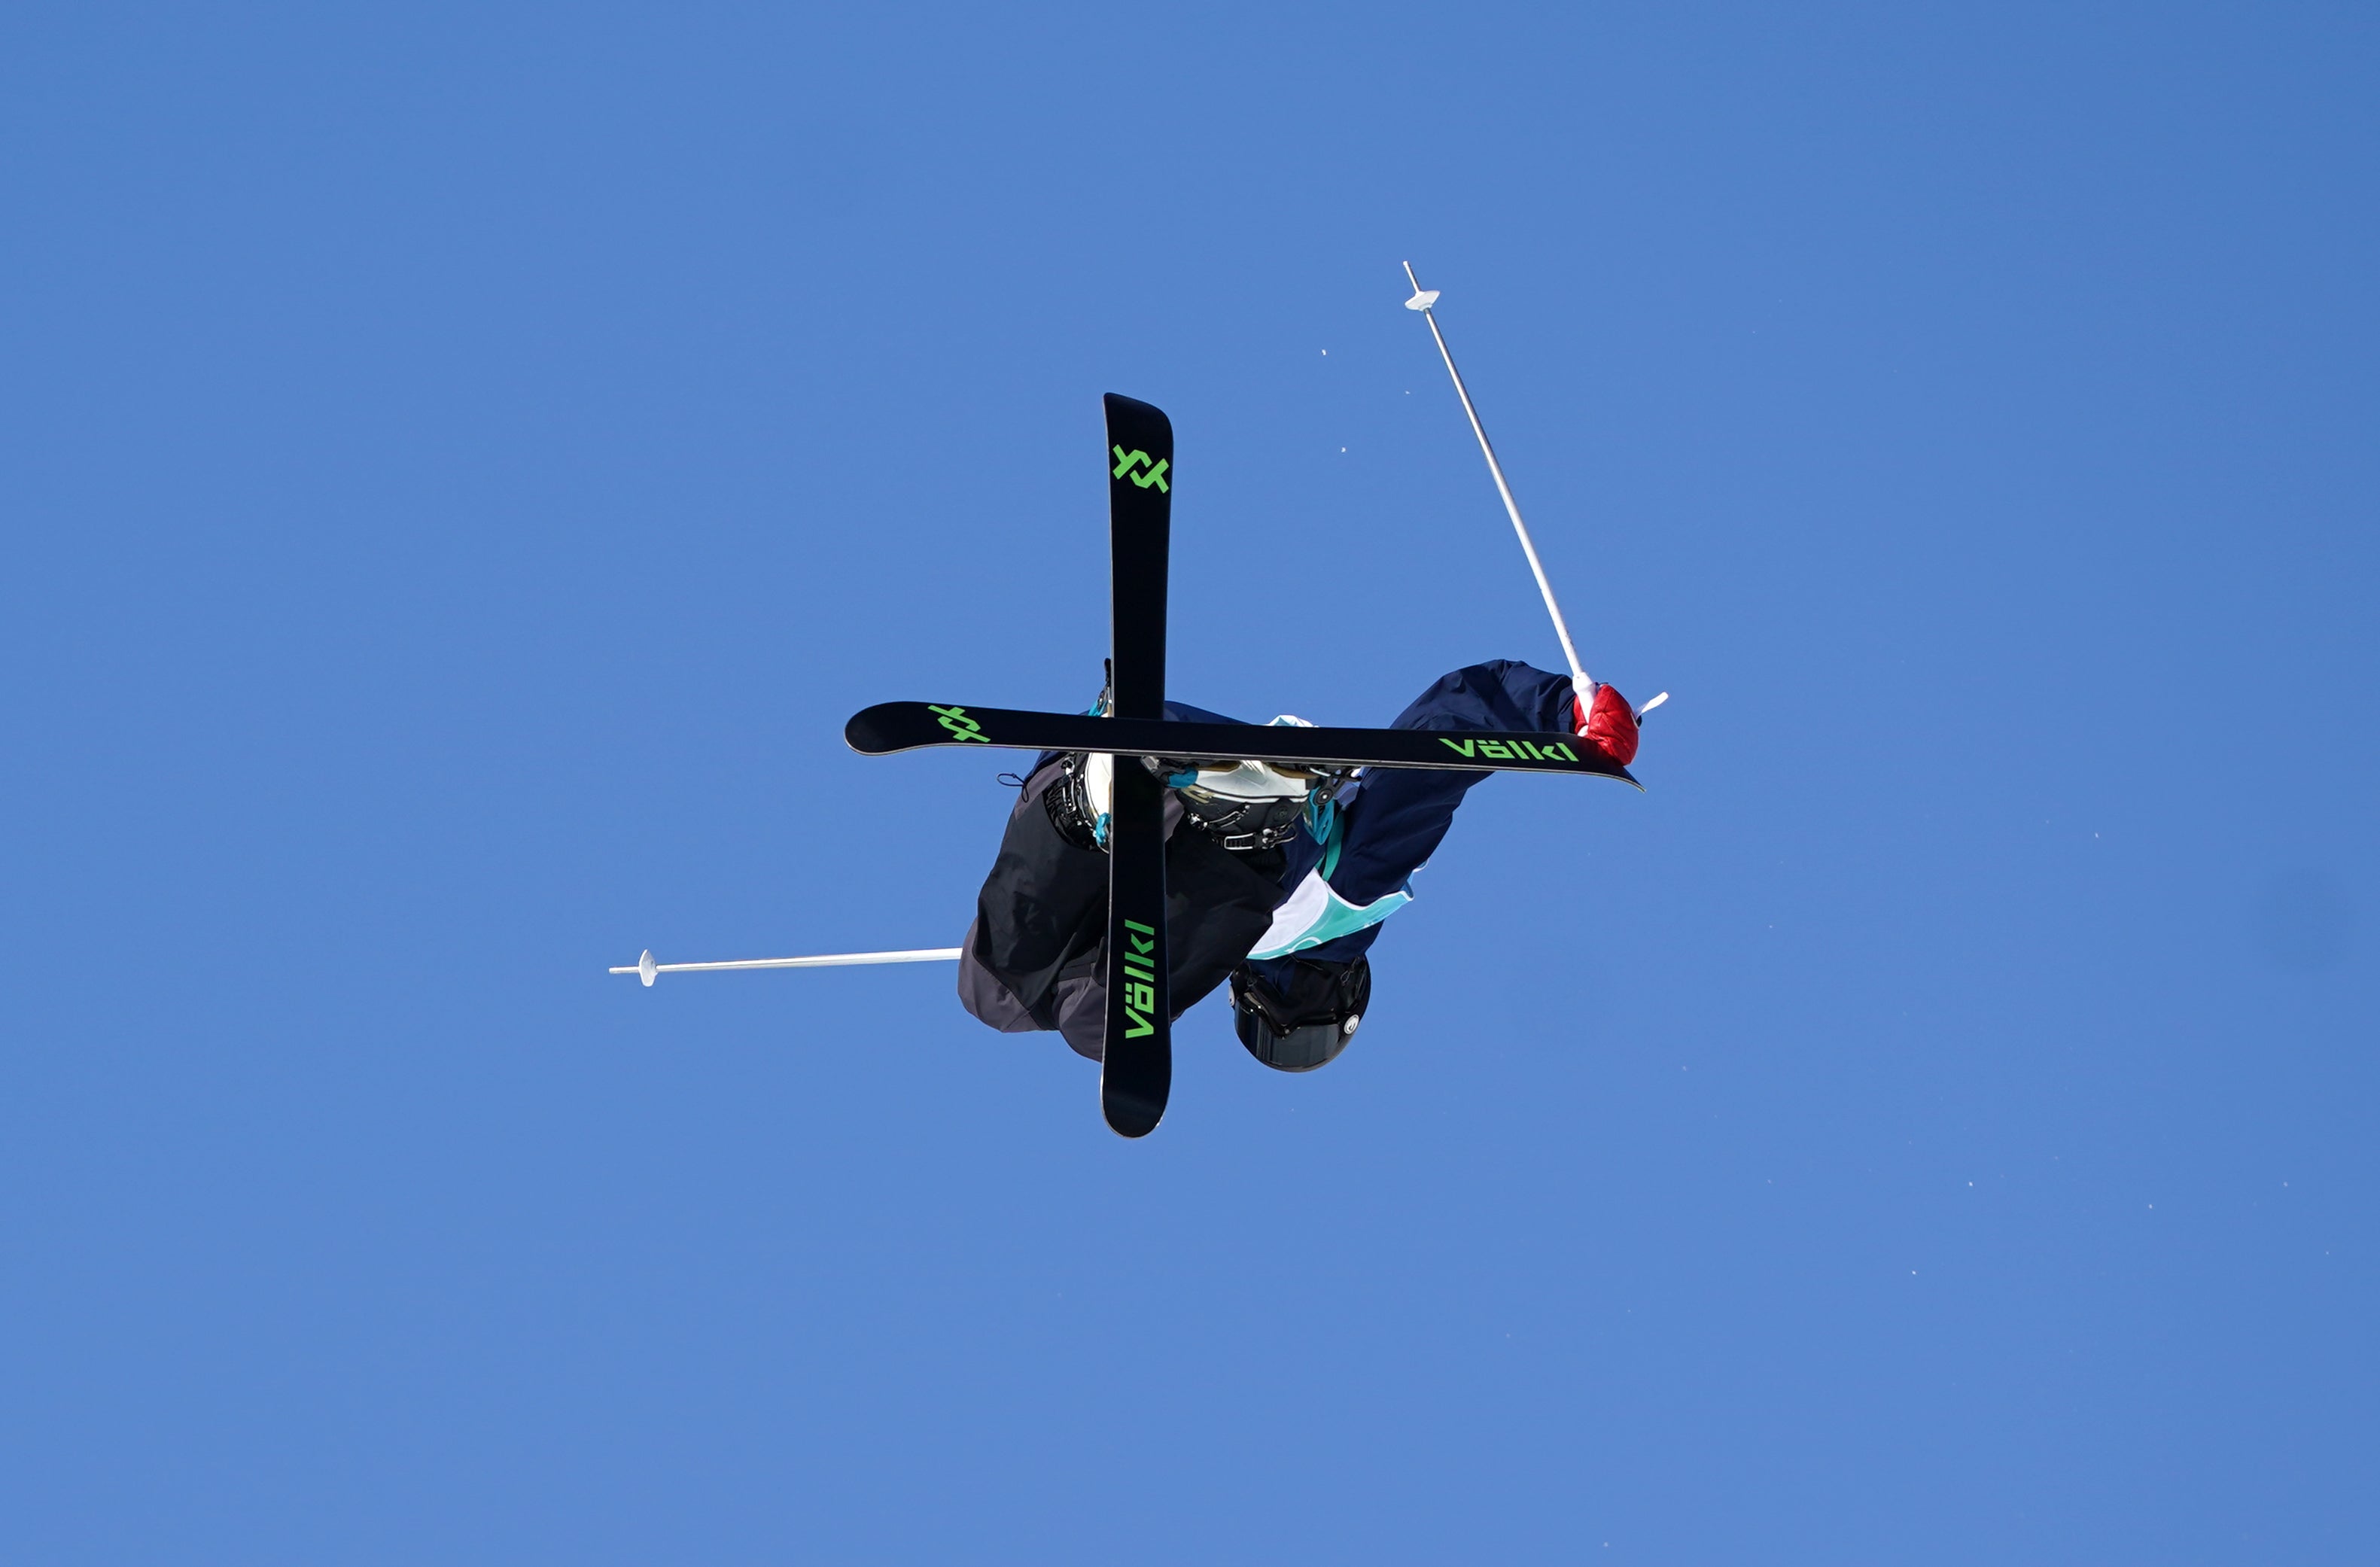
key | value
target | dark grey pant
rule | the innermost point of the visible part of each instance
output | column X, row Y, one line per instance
column 1032, row 959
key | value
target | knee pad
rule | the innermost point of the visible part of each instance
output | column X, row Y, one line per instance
column 1309, row 1023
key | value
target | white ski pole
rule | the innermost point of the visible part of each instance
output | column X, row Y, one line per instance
column 1422, row 298
column 645, row 968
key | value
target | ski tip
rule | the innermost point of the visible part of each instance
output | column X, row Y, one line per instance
column 1117, row 404
column 871, row 730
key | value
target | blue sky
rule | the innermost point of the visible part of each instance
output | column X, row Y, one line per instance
column 461, row 466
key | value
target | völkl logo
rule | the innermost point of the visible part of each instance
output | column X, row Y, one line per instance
column 957, row 721
column 1127, row 462
column 1510, row 750
column 1139, row 979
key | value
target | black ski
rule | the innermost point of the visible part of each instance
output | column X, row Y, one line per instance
column 903, row 726
column 1137, row 1064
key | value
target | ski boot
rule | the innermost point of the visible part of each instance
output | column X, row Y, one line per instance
column 1309, row 1025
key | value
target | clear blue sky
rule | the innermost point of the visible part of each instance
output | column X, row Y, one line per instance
column 460, row 466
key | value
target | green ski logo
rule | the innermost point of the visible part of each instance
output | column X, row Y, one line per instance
column 957, row 721
column 1140, row 980
column 1510, row 750
column 1126, row 462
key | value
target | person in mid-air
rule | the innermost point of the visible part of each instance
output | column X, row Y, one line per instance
column 1276, row 879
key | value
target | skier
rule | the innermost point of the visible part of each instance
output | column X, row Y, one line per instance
column 1273, row 871
column 1277, row 878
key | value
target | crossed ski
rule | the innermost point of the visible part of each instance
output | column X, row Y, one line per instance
column 1136, row 1066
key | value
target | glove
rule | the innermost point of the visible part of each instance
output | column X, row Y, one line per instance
column 1607, row 723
